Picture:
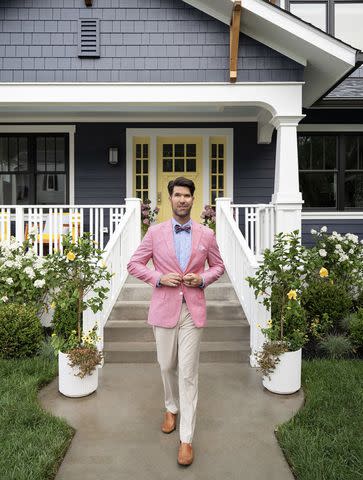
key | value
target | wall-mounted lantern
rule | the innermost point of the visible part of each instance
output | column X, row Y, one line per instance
column 113, row 155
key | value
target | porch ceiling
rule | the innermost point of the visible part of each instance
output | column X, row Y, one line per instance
column 326, row 59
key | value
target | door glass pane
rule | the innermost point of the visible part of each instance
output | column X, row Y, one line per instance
column 138, row 182
column 314, row 13
column 167, row 150
column 23, row 153
column 14, row 189
column 191, row 150
column 221, row 166
column 145, row 150
column 214, row 166
column 214, row 150
column 4, row 154
column 60, row 154
column 214, row 182
column 348, row 23
column 144, row 182
column 179, row 165
column 353, row 190
column 40, row 154
column 145, row 166
column 220, row 181
column 13, row 154
column 319, row 189
column 167, row 165
column 221, row 150
column 51, row 189
column 191, row 165
column 138, row 166
column 138, row 150
column 179, row 150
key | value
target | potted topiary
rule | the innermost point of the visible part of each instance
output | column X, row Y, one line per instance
column 77, row 272
column 278, row 284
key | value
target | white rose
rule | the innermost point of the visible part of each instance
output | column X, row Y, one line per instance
column 30, row 272
column 39, row 283
column 4, row 298
column 9, row 281
column 324, row 229
column 322, row 252
column 313, row 232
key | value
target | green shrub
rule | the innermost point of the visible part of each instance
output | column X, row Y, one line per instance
column 20, row 330
column 356, row 328
column 65, row 317
column 325, row 300
column 336, row 346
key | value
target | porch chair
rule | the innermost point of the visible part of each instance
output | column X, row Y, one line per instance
column 65, row 227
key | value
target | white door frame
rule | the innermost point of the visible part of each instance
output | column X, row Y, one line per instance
column 153, row 133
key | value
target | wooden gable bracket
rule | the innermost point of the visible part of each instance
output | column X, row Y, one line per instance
column 234, row 30
column 88, row 3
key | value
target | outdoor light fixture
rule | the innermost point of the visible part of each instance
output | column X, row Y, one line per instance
column 113, row 155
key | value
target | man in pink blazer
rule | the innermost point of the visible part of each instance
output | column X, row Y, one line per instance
column 179, row 249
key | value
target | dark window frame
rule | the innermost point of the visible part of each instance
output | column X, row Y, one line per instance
column 340, row 171
column 330, row 11
column 32, row 167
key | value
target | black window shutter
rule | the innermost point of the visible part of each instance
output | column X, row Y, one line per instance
column 88, row 38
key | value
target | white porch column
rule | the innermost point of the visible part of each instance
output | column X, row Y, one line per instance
column 287, row 197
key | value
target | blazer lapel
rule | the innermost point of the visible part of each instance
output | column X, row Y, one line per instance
column 196, row 236
column 169, row 240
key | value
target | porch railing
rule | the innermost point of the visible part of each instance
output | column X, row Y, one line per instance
column 240, row 262
column 124, row 241
column 49, row 222
column 257, row 223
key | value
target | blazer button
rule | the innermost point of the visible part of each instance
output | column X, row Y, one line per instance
column 180, row 293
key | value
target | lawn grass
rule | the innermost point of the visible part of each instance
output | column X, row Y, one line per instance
column 324, row 440
column 32, row 442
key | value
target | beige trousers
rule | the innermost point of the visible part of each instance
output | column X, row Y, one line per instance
column 178, row 356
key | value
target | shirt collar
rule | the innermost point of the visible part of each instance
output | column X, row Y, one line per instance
column 176, row 223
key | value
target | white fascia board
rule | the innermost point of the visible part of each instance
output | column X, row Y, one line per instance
column 279, row 98
column 330, row 127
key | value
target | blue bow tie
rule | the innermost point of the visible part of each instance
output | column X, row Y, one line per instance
column 178, row 228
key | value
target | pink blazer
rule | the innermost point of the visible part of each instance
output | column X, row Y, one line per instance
column 166, row 302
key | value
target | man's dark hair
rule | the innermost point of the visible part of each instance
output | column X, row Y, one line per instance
column 181, row 182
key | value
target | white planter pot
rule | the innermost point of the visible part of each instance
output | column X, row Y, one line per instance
column 71, row 385
column 286, row 378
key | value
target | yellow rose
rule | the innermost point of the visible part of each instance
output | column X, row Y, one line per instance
column 258, row 325
column 292, row 295
column 269, row 322
column 52, row 305
column 103, row 264
column 71, row 256
column 323, row 272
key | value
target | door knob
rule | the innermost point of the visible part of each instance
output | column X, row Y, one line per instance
column 159, row 197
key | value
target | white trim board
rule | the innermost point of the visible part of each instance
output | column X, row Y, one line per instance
column 153, row 133
column 333, row 127
column 332, row 215
column 70, row 129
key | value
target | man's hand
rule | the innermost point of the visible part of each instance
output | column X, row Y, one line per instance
column 192, row 280
column 171, row 279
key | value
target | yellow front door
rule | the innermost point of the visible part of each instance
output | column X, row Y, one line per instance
column 179, row 157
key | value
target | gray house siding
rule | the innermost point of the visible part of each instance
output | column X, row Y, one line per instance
column 340, row 226
column 140, row 41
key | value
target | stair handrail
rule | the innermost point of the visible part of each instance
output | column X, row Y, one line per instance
column 122, row 244
column 240, row 262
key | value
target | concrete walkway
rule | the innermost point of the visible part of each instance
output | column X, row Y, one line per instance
column 118, row 427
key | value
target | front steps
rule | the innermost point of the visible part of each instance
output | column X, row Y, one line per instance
column 129, row 339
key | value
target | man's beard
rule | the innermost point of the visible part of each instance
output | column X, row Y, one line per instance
column 183, row 213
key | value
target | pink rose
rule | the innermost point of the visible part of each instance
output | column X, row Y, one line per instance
column 146, row 221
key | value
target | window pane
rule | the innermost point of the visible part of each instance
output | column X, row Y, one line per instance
column 330, row 153
column 314, row 13
column 348, row 23
column 14, row 189
column 351, row 152
column 167, row 165
column 4, row 154
column 40, row 154
column 318, row 189
column 179, row 150
column 51, row 189
column 167, row 150
column 191, row 150
column 191, row 165
column 50, row 154
column 317, row 160
column 353, row 190
column 60, row 154
column 23, row 153
column 13, row 154
column 304, row 147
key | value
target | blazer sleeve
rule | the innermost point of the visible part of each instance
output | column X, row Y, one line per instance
column 215, row 262
column 137, row 264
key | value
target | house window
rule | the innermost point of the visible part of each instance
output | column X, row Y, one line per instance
column 331, row 171
column 141, row 167
column 33, row 169
column 217, row 168
column 341, row 18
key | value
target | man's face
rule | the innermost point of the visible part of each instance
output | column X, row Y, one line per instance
column 181, row 201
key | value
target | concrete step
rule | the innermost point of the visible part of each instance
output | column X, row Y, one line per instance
column 138, row 310
column 141, row 291
column 140, row 331
column 145, row 352
column 223, row 279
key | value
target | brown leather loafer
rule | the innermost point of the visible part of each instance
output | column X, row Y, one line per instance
column 185, row 454
column 169, row 423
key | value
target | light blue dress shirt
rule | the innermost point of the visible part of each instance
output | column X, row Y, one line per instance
column 182, row 246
